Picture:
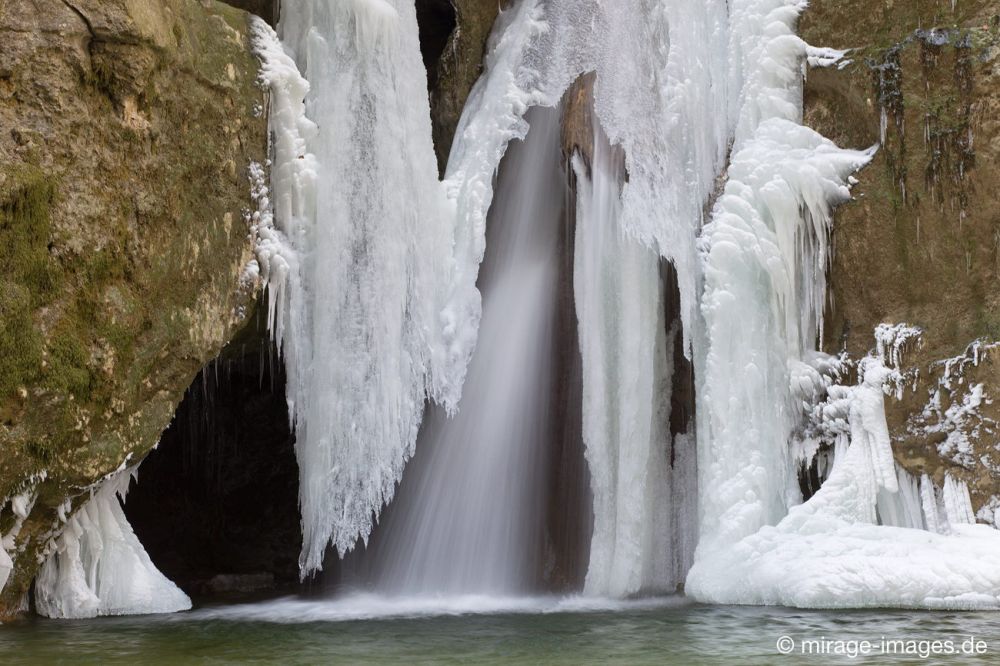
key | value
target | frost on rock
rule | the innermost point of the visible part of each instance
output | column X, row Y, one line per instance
column 891, row 342
column 953, row 413
column 97, row 566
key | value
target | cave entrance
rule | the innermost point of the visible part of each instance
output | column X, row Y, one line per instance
column 216, row 505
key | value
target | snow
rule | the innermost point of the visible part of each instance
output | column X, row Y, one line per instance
column 98, row 567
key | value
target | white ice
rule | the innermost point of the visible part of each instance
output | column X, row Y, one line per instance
column 97, row 566
column 829, row 552
column 364, row 231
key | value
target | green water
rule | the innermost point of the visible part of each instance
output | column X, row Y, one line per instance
column 539, row 632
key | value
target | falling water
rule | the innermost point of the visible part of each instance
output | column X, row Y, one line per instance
column 469, row 514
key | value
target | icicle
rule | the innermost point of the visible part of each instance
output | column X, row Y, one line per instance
column 957, row 504
column 626, row 380
column 98, row 566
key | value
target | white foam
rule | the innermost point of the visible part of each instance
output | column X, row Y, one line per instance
column 294, row 610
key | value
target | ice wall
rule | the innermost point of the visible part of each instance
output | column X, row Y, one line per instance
column 97, row 566
column 362, row 298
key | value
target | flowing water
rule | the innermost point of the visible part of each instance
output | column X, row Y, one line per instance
column 536, row 631
column 468, row 516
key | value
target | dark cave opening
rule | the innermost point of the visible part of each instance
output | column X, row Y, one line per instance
column 216, row 505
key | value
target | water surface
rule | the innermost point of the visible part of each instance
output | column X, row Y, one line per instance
column 459, row 630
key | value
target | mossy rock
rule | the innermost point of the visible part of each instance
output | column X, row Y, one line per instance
column 123, row 189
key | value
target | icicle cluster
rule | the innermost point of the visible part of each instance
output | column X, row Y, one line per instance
column 98, row 567
column 361, row 270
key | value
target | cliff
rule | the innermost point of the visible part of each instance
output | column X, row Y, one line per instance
column 920, row 243
column 128, row 129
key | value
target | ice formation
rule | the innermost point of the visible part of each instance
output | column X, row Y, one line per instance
column 6, row 565
column 627, row 359
column 371, row 265
column 97, row 566
column 765, row 256
column 20, row 506
column 831, row 552
column 360, row 270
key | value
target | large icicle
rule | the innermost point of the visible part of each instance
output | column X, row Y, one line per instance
column 626, row 387
column 98, row 567
column 371, row 324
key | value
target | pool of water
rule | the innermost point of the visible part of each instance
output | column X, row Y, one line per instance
column 369, row 630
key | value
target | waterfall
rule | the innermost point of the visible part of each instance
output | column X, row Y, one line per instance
column 700, row 161
column 468, row 514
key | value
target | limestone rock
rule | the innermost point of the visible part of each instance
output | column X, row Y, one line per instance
column 127, row 129
column 920, row 243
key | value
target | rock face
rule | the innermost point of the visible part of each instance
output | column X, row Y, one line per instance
column 920, row 244
column 128, row 126
column 459, row 64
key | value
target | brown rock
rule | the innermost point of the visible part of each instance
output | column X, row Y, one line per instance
column 127, row 129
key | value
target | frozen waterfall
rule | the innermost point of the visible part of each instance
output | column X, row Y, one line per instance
column 699, row 161
column 639, row 527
